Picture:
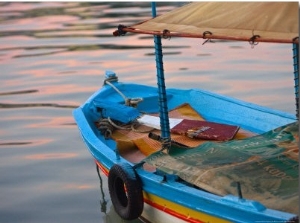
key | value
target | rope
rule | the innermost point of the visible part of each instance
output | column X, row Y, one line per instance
column 106, row 126
column 253, row 41
column 166, row 144
column 166, row 34
column 128, row 101
column 117, row 126
column 207, row 39
column 108, row 81
column 120, row 31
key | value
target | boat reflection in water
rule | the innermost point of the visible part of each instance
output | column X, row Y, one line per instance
column 111, row 216
column 103, row 201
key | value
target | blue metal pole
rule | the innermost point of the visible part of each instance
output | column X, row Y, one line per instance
column 296, row 75
column 162, row 96
column 153, row 6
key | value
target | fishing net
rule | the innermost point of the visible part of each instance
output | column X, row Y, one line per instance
column 266, row 167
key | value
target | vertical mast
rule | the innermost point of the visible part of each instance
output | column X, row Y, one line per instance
column 296, row 75
column 162, row 96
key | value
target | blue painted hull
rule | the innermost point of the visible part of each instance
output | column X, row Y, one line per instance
column 204, row 206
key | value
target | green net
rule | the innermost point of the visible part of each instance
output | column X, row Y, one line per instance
column 266, row 166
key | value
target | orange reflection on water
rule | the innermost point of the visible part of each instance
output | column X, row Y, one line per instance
column 56, row 122
column 68, row 89
column 47, row 156
column 77, row 186
column 258, row 85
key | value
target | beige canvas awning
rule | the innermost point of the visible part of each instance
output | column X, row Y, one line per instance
column 257, row 21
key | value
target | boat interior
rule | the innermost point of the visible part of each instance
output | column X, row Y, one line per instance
column 136, row 140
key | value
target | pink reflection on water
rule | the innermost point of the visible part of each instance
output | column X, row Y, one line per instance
column 18, row 6
column 47, row 156
column 10, row 42
column 67, row 88
column 55, row 122
column 42, row 23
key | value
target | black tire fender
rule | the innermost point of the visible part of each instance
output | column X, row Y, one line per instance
column 125, row 190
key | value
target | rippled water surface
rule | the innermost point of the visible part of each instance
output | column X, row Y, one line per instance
column 53, row 56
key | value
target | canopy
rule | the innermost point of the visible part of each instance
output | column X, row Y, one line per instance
column 247, row 21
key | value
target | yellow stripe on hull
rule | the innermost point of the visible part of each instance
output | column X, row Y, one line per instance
column 184, row 213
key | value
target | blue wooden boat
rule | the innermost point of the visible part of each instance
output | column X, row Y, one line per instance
column 247, row 173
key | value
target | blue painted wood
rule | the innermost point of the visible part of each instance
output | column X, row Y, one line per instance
column 162, row 100
column 296, row 75
column 153, row 7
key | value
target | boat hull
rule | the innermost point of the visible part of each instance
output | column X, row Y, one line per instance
column 166, row 199
column 159, row 210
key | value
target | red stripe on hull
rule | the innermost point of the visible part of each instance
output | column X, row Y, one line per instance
column 172, row 212
column 102, row 168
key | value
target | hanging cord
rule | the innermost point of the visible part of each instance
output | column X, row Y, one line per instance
column 207, row 39
column 103, row 202
column 166, row 34
column 111, row 79
column 252, row 40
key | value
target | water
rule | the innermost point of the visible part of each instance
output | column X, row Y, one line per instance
column 53, row 56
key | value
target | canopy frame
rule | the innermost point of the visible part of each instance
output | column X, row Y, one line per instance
column 208, row 35
column 162, row 99
column 238, row 21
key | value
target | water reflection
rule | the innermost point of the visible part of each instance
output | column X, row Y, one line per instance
column 53, row 56
column 103, row 201
column 111, row 216
column 47, row 156
column 25, row 105
column 14, row 143
column 18, row 92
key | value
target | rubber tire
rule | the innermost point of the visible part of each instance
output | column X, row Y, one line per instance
column 129, row 203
